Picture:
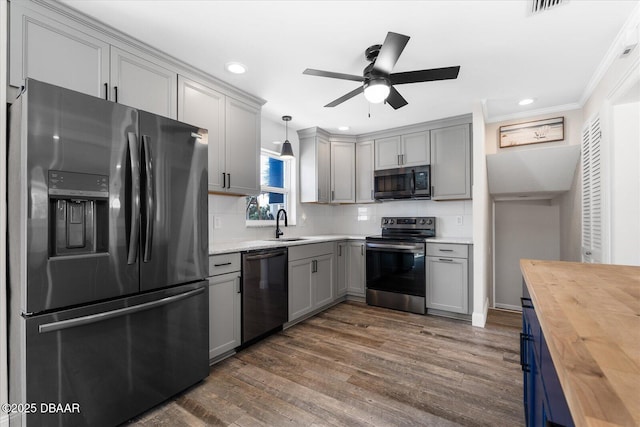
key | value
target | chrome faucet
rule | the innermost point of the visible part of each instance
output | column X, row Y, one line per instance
column 278, row 232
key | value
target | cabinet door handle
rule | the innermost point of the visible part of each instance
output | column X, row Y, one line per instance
column 371, row 194
column 445, row 250
column 224, row 180
column 445, row 260
column 228, row 180
column 362, row 250
column 524, row 363
column 333, row 195
column 115, row 90
column 526, row 302
column 239, row 284
column 314, row 266
column 398, row 160
column 220, row 265
column 106, row 91
column 339, row 250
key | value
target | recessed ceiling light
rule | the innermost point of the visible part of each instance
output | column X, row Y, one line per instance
column 343, row 128
column 526, row 101
column 236, row 67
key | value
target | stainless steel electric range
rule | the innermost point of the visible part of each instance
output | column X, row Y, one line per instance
column 395, row 263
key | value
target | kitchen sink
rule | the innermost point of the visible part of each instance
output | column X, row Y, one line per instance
column 287, row 239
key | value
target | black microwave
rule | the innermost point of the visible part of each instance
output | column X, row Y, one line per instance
column 402, row 183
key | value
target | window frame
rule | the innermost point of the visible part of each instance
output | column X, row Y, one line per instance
column 288, row 190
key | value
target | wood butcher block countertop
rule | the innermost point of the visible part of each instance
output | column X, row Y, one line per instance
column 590, row 318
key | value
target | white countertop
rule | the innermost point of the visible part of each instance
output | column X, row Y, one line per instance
column 250, row 245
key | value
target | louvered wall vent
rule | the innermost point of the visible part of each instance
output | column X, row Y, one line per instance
column 538, row 6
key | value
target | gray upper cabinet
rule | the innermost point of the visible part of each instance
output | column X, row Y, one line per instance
column 44, row 49
column 242, row 147
column 364, row 172
column 388, row 152
column 234, row 136
column 451, row 162
column 140, row 83
column 415, row 148
column 204, row 107
column 343, row 175
column 402, row 151
column 315, row 166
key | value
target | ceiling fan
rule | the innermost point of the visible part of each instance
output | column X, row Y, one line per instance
column 377, row 78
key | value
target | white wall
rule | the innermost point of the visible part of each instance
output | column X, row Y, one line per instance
column 4, row 45
column 568, row 202
column 615, row 99
column 482, row 222
column 522, row 229
column 625, row 179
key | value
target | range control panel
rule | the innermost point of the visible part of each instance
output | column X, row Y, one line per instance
column 411, row 223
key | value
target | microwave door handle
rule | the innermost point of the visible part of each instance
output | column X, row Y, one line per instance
column 413, row 181
column 134, row 231
column 149, row 199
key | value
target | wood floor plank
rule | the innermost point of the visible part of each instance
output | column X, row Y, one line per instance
column 356, row 365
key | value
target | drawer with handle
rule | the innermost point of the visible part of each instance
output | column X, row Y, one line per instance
column 451, row 250
column 224, row 263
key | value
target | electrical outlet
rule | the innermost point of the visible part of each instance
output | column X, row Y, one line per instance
column 217, row 223
column 459, row 220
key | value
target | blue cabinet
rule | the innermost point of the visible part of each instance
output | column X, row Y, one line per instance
column 544, row 401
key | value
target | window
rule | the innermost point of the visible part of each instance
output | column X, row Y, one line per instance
column 275, row 185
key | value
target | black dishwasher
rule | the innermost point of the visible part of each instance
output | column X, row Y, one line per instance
column 264, row 293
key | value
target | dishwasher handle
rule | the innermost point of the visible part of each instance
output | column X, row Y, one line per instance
column 265, row 255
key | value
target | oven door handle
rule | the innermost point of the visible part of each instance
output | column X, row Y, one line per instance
column 399, row 247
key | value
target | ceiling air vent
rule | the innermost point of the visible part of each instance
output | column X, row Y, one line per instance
column 538, row 6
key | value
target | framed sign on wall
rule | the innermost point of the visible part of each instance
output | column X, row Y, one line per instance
column 534, row 132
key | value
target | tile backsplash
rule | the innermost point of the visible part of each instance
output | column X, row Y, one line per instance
column 227, row 218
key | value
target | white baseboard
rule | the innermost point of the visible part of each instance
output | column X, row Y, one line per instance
column 480, row 319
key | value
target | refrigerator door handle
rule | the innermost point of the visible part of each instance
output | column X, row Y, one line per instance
column 149, row 211
column 134, row 158
column 99, row 317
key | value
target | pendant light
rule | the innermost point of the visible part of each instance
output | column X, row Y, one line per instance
column 287, row 151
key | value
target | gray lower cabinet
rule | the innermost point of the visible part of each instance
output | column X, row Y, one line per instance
column 447, row 270
column 225, row 304
column 311, row 278
column 343, row 268
column 351, row 261
column 355, row 272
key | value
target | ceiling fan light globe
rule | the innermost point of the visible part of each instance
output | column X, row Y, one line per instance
column 376, row 91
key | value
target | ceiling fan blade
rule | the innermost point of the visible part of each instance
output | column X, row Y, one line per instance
column 390, row 52
column 445, row 73
column 395, row 99
column 333, row 75
column 345, row 97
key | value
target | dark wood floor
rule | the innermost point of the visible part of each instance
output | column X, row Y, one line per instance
column 355, row 365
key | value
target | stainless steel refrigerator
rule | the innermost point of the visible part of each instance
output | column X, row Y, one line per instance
column 108, row 256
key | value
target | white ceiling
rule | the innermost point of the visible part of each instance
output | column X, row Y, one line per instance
column 505, row 53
